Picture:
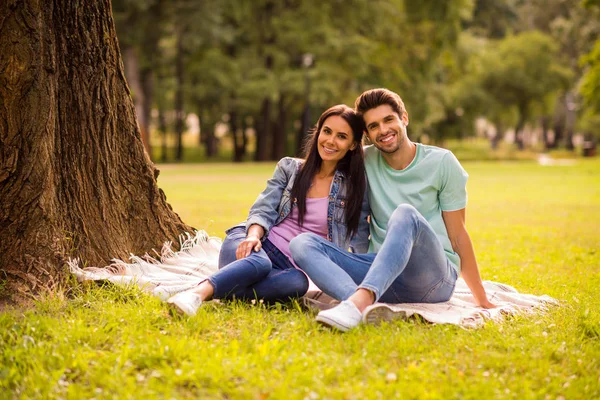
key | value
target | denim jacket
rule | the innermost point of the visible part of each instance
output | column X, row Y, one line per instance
column 274, row 204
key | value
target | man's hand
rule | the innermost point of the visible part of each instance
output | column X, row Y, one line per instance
column 487, row 304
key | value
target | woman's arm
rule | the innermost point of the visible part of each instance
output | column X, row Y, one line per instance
column 265, row 208
column 461, row 243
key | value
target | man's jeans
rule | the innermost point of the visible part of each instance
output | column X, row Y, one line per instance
column 266, row 275
column 410, row 267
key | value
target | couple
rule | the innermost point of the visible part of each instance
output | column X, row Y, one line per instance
column 314, row 212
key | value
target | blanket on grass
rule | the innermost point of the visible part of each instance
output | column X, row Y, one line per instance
column 170, row 272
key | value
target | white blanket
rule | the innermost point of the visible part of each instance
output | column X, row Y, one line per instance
column 198, row 256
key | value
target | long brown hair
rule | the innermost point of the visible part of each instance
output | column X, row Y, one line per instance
column 352, row 165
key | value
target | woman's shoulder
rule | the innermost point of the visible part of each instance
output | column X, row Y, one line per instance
column 290, row 162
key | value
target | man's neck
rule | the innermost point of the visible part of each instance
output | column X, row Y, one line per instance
column 401, row 158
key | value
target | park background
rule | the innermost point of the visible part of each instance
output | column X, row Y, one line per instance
column 510, row 86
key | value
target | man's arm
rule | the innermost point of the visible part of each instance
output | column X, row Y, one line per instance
column 461, row 243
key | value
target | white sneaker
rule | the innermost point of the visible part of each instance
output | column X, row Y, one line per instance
column 344, row 316
column 185, row 303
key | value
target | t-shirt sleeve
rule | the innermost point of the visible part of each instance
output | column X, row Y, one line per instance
column 453, row 188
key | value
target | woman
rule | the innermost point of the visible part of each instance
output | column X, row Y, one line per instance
column 324, row 194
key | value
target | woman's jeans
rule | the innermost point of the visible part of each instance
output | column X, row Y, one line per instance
column 265, row 275
column 410, row 267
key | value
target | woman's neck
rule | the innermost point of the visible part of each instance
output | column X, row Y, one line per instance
column 327, row 170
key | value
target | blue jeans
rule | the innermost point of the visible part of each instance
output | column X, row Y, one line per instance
column 410, row 267
column 265, row 275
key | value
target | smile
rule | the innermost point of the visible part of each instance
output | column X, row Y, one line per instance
column 328, row 151
column 386, row 138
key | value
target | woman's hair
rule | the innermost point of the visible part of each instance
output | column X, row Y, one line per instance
column 352, row 165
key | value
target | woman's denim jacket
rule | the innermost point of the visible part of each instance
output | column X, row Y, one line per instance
column 275, row 203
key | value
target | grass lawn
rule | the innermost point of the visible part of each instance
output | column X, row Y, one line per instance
column 536, row 228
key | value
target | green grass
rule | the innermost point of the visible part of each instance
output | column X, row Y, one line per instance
column 536, row 228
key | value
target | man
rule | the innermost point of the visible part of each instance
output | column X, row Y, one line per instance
column 419, row 242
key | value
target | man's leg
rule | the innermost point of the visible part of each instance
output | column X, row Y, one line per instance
column 411, row 265
column 335, row 271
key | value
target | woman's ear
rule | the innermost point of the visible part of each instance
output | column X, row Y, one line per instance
column 353, row 147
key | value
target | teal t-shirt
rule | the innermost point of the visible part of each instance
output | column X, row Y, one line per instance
column 433, row 182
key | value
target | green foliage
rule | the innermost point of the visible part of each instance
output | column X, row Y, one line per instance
column 591, row 79
column 112, row 342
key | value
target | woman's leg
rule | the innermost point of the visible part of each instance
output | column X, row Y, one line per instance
column 283, row 283
column 335, row 271
column 235, row 275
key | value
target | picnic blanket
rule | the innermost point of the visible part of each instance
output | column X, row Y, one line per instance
column 170, row 272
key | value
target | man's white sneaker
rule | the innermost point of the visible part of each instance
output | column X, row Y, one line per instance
column 344, row 316
column 185, row 303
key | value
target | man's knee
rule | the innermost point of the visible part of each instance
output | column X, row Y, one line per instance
column 404, row 213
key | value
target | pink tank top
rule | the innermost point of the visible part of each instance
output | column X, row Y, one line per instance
column 315, row 221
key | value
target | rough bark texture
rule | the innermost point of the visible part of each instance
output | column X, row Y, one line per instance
column 74, row 178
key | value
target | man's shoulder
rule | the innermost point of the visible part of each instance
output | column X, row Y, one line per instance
column 433, row 151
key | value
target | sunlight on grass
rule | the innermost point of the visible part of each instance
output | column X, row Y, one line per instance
column 536, row 228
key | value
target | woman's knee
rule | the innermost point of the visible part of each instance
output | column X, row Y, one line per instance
column 230, row 244
column 296, row 283
column 300, row 246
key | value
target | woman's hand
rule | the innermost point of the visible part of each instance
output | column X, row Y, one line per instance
column 246, row 247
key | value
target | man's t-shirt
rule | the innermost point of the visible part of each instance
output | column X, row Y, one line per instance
column 433, row 182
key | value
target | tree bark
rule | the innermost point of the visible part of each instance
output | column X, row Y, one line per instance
column 74, row 178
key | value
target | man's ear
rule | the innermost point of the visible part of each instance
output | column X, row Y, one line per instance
column 405, row 118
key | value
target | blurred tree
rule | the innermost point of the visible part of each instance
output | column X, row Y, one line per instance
column 140, row 26
column 521, row 71
column 574, row 29
column 75, row 180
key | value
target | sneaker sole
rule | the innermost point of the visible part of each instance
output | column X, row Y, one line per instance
column 383, row 313
column 331, row 323
column 179, row 310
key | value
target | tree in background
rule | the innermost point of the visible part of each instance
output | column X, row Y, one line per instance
column 75, row 180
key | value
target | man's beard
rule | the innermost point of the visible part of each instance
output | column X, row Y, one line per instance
column 399, row 142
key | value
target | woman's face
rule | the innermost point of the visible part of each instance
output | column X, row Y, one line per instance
column 335, row 139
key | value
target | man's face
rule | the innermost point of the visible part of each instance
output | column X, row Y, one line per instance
column 385, row 129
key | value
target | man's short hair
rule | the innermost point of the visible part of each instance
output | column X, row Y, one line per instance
column 376, row 97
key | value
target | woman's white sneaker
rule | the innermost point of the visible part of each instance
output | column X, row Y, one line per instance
column 185, row 303
column 344, row 316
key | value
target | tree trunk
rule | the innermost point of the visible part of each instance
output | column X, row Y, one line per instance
column 148, row 90
column 233, row 126
column 279, row 133
column 162, row 128
column 207, row 130
column 179, row 117
column 570, row 120
column 134, row 79
column 519, row 130
column 545, row 123
column 74, row 178
column 495, row 140
column 132, row 72
column 263, row 133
